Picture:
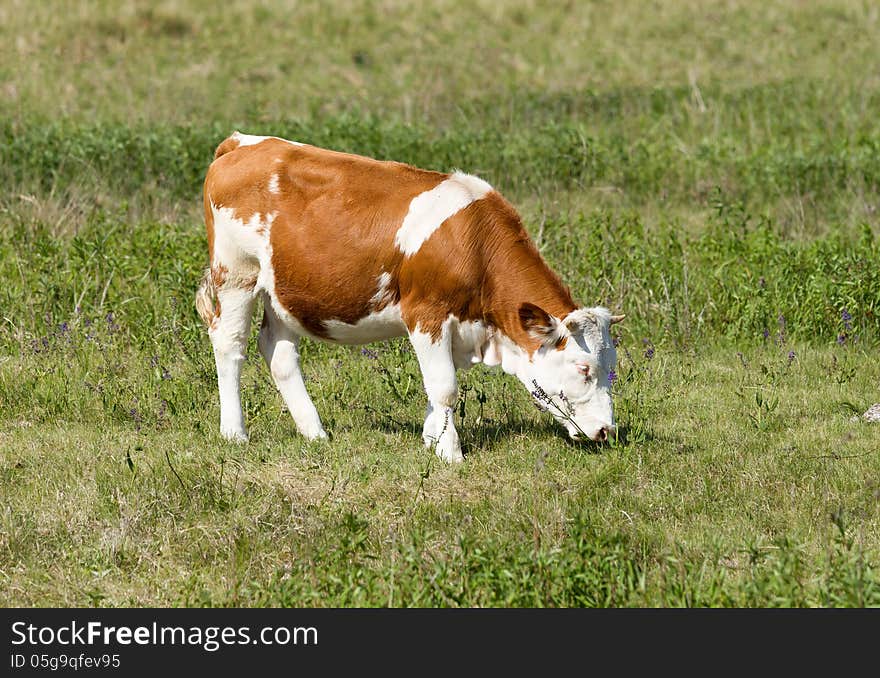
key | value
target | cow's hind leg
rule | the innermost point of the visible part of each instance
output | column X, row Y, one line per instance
column 279, row 346
column 438, row 373
column 229, row 331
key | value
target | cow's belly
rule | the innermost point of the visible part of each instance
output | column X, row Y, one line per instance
column 384, row 324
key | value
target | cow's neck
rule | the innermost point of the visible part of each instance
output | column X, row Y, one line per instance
column 517, row 274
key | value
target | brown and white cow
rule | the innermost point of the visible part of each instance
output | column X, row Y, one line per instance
column 350, row 250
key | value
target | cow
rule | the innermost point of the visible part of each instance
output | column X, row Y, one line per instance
column 350, row 250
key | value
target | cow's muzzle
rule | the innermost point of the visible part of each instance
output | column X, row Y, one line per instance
column 603, row 434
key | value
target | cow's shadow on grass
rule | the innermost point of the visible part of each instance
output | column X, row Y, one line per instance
column 490, row 433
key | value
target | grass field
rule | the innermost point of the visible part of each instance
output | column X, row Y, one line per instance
column 711, row 169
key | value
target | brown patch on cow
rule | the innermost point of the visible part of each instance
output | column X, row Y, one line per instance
column 481, row 265
column 337, row 215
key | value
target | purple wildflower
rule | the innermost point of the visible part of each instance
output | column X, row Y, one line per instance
column 649, row 351
column 371, row 354
column 612, row 376
column 567, row 403
column 134, row 414
column 841, row 338
column 791, row 356
column 766, row 334
column 539, row 392
column 847, row 320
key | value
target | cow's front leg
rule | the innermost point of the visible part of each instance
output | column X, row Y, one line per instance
column 438, row 373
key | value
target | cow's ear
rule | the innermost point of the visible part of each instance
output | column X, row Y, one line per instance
column 577, row 320
column 539, row 324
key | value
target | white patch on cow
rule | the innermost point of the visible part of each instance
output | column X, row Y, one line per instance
column 377, row 326
column 383, row 295
column 252, row 139
column 240, row 245
column 274, row 184
column 428, row 210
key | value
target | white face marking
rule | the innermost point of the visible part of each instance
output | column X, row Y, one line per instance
column 273, row 184
column 430, row 209
column 560, row 373
column 378, row 326
column 383, row 296
column 251, row 139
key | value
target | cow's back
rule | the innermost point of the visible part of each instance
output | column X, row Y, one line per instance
column 320, row 224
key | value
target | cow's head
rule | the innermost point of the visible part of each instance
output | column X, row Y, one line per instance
column 569, row 374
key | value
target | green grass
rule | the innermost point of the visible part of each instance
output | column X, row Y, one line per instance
column 712, row 171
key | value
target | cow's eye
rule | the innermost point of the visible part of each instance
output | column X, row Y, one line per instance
column 584, row 369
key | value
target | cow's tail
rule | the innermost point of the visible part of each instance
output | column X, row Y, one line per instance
column 207, row 303
column 229, row 144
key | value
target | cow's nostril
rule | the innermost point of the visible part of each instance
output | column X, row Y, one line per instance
column 602, row 435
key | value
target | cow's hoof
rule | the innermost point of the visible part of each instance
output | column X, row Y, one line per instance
column 454, row 457
column 235, row 435
column 320, row 434
column 449, row 448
